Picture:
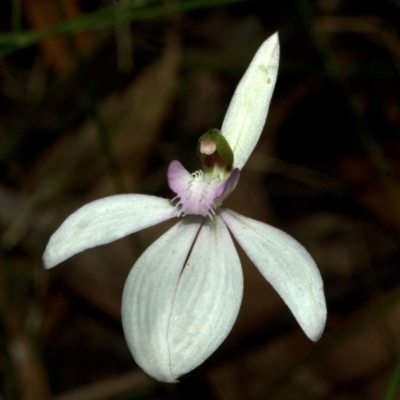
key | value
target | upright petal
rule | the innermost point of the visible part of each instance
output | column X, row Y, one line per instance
column 207, row 300
column 174, row 320
column 245, row 118
column 289, row 268
column 103, row 221
column 149, row 294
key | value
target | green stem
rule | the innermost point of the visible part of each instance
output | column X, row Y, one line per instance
column 100, row 19
column 16, row 16
column 394, row 382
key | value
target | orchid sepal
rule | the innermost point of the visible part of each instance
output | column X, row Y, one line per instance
column 103, row 221
column 287, row 266
column 179, row 303
column 245, row 118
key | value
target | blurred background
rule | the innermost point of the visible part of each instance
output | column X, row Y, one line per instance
column 98, row 96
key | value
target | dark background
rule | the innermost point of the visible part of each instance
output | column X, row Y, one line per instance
column 97, row 97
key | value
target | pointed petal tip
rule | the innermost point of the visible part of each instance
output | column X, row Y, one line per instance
column 274, row 37
column 315, row 336
column 160, row 378
column 313, row 318
column 103, row 221
column 47, row 263
column 271, row 41
column 245, row 118
column 49, row 260
column 314, row 331
column 288, row 266
column 271, row 48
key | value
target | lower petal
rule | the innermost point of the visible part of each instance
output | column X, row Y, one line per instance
column 149, row 294
column 207, row 300
column 179, row 303
column 287, row 265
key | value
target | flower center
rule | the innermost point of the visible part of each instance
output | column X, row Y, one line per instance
column 202, row 192
column 215, row 154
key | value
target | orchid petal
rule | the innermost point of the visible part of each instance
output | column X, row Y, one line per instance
column 174, row 320
column 286, row 264
column 149, row 294
column 208, row 298
column 245, row 118
column 196, row 195
column 103, row 221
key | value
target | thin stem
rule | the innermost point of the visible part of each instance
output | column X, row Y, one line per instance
column 16, row 24
column 394, row 382
column 101, row 19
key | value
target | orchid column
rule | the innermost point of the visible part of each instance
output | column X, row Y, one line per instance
column 183, row 294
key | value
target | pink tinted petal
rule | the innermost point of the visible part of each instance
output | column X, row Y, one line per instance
column 196, row 195
column 178, row 177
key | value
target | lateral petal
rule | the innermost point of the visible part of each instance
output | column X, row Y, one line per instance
column 248, row 109
column 207, row 300
column 103, row 221
column 149, row 295
column 287, row 265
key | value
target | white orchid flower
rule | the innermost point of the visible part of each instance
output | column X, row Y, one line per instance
column 183, row 295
